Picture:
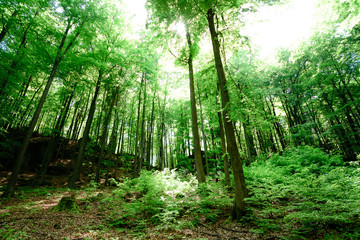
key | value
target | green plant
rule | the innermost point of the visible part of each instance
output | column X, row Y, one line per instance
column 306, row 191
column 167, row 198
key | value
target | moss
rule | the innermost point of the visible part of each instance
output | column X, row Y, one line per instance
column 66, row 204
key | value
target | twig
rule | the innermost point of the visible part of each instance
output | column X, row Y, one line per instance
column 233, row 230
column 207, row 233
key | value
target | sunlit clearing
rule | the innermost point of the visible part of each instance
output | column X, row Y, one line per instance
column 283, row 26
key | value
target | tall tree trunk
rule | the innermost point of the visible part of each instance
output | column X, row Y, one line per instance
column 223, row 151
column 142, row 136
column 56, row 134
column 240, row 186
column 104, row 135
column 85, row 138
column 195, row 129
column 150, row 131
column 137, row 145
column 9, row 191
column 203, row 132
column 97, row 126
column 249, row 139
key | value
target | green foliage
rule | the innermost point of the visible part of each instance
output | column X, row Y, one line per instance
column 167, row 200
column 184, row 163
column 305, row 190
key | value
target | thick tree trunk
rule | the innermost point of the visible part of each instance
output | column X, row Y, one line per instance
column 195, row 129
column 240, row 186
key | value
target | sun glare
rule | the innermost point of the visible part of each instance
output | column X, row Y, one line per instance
column 283, row 26
column 179, row 28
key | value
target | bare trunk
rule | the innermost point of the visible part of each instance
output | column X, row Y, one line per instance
column 9, row 191
column 240, row 186
column 104, row 135
column 85, row 138
column 195, row 129
column 203, row 133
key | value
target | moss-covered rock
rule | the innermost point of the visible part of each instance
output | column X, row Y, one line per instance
column 66, row 204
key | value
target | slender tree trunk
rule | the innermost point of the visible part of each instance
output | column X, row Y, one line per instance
column 9, row 191
column 240, row 186
column 195, row 129
column 112, row 98
column 249, row 139
column 137, row 154
column 142, row 136
column 80, row 120
column 97, row 126
column 223, row 151
column 56, row 134
column 23, row 117
column 150, row 131
column 113, row 140
column 203, row 132
column 85, row 138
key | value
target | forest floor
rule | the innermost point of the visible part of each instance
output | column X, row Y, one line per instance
column 303, row 194
column 31, row 215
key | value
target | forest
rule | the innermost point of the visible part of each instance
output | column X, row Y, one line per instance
column 165, row 119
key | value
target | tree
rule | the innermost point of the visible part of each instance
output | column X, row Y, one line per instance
column 172, row 12
column 75, row 23
column 240, row 185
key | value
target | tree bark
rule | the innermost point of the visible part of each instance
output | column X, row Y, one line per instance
column 104, row 134
column 85, row 138
column 56, row 134
column 240, row 186
column 203, row 133
column 150, row 131
column 223, row 151
column 195, row 129
column 137, row 155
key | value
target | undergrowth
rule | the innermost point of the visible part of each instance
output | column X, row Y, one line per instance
column 166, row 200
column 305, row 193
column 302, row 194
